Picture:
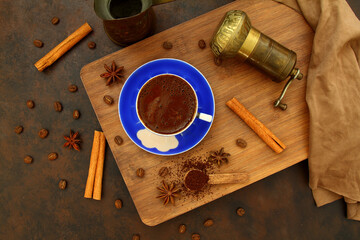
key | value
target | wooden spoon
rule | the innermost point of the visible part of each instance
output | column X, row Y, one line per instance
column 195, row 180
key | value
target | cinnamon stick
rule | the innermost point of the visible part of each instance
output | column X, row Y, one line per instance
column 99, row 169
column 260, row 129
column 92, row 168
column 63, row 47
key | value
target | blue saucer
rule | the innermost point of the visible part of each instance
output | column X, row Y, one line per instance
column 127, row 102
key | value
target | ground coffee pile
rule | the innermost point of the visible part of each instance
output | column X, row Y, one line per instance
column 185, row 164
column 195, row 180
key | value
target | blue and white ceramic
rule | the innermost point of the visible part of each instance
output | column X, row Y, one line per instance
column 151, row 142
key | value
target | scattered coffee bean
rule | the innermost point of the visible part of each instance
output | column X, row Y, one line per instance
column 38, row 43
column 240, row 211
column 136, row 237
column 30, row 104
column 118, row 140
column 72, row 88
column 163, row 171
column 52, row 156
column 241, row 143
column 202, row 44
column 140, row 172
column 118, row 203
column 208, row 223
column 167, row 45
column 76, row 114
column 217, row 61
column 58, row 106
column 28, row 159
column 91, row 45
column 43, row 133
column 182, row 228
column 195, row 236
column 62, row 184
column 108, row 100
column 55, row 20
column 18, row 129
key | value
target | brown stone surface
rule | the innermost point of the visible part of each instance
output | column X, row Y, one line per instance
column 31, row 204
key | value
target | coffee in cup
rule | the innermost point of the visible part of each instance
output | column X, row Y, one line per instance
column 167, row 104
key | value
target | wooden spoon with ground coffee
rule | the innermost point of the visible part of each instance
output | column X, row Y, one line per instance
column 195, row 180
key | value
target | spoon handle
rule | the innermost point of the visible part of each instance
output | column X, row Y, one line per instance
column 228, row 178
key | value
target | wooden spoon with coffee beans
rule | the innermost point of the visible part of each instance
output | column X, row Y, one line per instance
column 195, row 180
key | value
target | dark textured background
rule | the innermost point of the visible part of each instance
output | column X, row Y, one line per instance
column 31, row 204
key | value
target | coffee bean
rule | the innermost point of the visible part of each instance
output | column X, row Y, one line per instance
column 62, row 184
column 76, row 114
column 217, row 61
column 195, row 236
column 163, row 171
column 28, row 159
column 43, row 133
column 52, row 156
column 140, row 172
column 91, row 45
column 136, row 237
column 58, row 106
column 167, row 45
column 55, row 20
column 30, row 104
column 72, row 88
column 118, row 140
column 38, row 43
column 182, row 228
column 208, row 223
column 202, row 44
column 18, row 129
column 240, row 211
column 118, row 203
column 108, row 100
column 241, row 143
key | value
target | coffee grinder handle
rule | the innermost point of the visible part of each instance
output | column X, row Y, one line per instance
column 297, row 75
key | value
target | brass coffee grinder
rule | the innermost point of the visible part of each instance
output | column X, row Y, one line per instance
column 236, row 37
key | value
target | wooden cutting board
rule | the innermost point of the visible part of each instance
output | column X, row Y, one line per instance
column 232, row 79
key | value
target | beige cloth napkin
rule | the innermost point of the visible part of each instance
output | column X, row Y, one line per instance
column 333, row 97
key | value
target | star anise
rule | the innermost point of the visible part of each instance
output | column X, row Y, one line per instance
column 219, row 157
column 72, row 141
column 168, row 193
column 112, row 74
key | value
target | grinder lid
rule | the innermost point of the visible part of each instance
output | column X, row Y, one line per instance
column 230, row 34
